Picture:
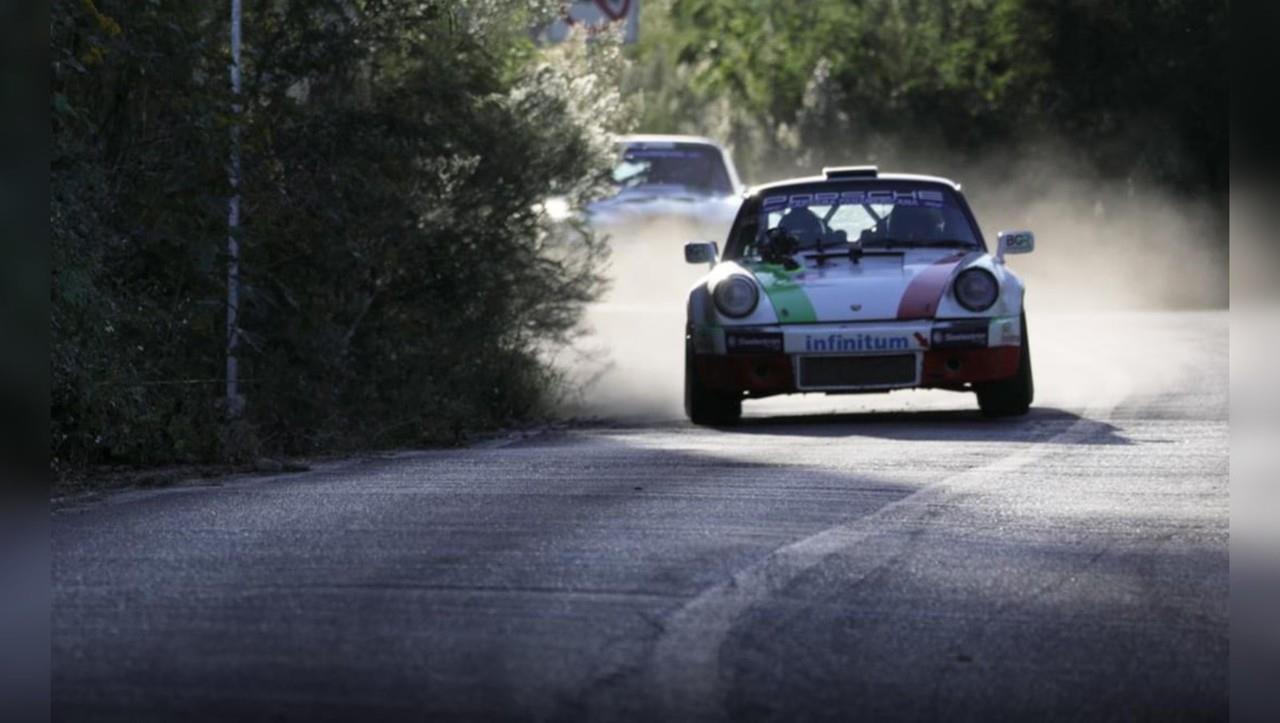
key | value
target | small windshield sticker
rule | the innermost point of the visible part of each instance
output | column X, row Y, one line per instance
column 633, row 153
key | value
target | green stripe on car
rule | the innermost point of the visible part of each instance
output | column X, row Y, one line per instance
column 788, row 297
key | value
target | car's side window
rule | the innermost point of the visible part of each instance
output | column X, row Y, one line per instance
column 742, row 237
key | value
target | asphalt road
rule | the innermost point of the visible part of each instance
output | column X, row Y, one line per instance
column 893, row 557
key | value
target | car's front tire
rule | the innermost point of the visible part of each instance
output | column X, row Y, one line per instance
column 705, row 406
column 1013, row 396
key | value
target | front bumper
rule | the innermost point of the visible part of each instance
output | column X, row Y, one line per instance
column 949, row 354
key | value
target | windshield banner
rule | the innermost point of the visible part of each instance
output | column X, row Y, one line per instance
column 920, row 197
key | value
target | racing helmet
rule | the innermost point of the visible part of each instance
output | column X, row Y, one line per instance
column 914, row 223
column 804, row 225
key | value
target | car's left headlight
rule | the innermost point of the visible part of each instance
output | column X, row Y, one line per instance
column 976, row 289
column 736, row 296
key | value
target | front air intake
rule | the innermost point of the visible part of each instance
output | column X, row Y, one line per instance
column 876, row 371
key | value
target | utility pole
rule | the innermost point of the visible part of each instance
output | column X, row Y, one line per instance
column 235, row 403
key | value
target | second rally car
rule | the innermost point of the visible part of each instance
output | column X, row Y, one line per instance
column 856, row 281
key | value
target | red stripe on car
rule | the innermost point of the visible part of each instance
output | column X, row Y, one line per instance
column 920, row 300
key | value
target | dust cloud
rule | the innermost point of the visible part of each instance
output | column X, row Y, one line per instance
column 630, row 361
column 1105, row 245
column 1101, row 243
column 1102, row 246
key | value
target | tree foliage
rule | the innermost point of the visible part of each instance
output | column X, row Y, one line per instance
column 398, row 279
column 1137, row 87
column 400, row 283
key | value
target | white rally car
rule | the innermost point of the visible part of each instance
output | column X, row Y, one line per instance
column 688, row 182
column 856, row 281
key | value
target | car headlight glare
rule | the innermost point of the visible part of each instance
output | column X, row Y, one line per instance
column 736, row 296
column 976, row 289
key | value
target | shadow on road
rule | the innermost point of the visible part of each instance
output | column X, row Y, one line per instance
column 951, row 425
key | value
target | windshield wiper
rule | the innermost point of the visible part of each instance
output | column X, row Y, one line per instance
column 851, row 249
column 932, row 244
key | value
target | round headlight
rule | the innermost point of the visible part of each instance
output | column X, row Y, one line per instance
column 736, row 296
column 976, row 289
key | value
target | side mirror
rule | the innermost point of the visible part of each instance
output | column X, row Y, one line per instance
column 1014, row 242
column 701, row 252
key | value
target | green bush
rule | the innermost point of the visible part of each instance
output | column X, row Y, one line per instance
column 399, row 283
column 1135, row 86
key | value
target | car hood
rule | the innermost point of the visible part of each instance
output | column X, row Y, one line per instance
column 878, row 287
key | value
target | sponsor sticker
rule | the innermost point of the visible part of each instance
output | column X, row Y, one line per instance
column 752, row 343
column 1006, row 332
column 920, row 197
column 955, row 336
column 856, row 342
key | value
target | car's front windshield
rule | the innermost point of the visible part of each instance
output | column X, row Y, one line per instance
column 892, row 215
column 694, row 167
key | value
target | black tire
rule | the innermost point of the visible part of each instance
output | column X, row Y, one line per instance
column 705, row 406
column 1013, row 396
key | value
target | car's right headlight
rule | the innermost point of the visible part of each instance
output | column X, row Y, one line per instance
column 736, row 296
column 976, row 289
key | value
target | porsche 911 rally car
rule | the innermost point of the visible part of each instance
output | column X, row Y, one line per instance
column 856, row 281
